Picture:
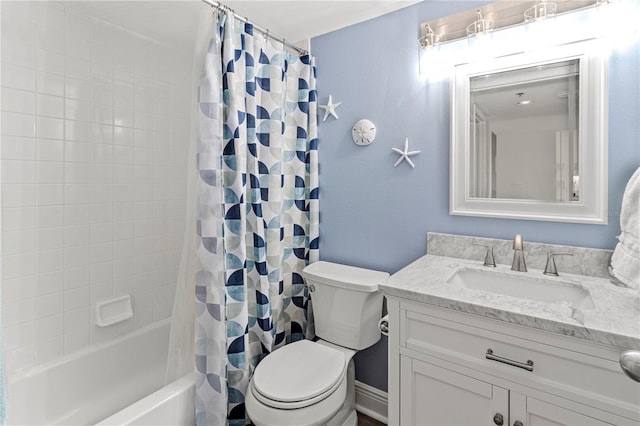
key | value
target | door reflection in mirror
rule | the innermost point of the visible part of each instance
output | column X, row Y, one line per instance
column 524, row 141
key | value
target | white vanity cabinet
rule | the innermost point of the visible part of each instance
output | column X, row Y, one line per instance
column 439, row 396
column 440, row 373
column 435, row 395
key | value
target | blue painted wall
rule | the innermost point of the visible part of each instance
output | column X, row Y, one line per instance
column 376, row 216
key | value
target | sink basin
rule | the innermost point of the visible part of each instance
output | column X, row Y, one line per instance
column 515, row 284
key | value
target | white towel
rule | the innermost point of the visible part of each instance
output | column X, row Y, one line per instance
column 625, row 262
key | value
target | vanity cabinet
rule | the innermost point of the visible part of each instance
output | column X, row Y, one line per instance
column 433, row 395
column 439, row 396
column 454, row 368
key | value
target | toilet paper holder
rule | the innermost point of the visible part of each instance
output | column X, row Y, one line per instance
column 383, row 325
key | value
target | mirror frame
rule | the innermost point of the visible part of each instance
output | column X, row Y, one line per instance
column 593, row 138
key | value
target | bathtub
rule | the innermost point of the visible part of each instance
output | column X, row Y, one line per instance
column 172, row 405
column 104, row 384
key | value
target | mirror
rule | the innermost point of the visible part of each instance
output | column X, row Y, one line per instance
column 529, row 137
column 524, row 133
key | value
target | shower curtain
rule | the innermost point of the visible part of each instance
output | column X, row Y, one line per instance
column 257, row 215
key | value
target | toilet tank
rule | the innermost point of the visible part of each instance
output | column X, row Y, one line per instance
column 347, row 304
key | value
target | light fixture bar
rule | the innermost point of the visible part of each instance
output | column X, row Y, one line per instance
column 503, row 14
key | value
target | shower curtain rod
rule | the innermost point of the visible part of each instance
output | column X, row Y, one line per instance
column 264, row 31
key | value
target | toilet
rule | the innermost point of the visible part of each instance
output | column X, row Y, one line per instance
column 313, row 383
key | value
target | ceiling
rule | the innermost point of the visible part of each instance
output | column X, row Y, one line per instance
column 547, row 98
column 175, row 22
column 532, row 91
column 302, row 19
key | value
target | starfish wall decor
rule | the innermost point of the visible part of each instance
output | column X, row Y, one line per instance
column 330, row 109
column 404, row 155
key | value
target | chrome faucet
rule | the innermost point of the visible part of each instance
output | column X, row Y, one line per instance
column 550, row 268
column 489, row 259
column 518, row 263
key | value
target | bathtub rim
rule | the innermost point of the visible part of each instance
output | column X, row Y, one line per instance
column 132, row 413
column 96, row 347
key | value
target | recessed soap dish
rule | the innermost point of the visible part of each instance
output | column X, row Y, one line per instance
column 113, row 311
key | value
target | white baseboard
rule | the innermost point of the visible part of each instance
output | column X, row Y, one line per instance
column 371, row 401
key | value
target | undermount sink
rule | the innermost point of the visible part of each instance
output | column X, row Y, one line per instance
column 521, row 285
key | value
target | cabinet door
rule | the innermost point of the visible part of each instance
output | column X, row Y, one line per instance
column 532, row 412
column 432, row 395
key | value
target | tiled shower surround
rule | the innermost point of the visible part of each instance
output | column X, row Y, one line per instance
column 94, row 129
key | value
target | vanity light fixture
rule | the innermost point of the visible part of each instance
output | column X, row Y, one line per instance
column 480, row 26
column 540, row 12
column 429, row 38
column 502, row 14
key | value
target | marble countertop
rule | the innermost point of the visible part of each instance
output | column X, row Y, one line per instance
column 615, row 319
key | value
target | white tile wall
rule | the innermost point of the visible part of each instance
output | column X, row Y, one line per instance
column 93, row 151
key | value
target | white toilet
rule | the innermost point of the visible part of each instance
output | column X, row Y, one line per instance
column 313, row 383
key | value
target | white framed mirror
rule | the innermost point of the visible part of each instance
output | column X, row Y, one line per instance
column 529, row 136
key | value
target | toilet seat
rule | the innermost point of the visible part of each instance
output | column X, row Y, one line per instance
column 298, row 375
column 313, row 415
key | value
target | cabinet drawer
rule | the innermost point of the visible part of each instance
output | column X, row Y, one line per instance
column 465, row 339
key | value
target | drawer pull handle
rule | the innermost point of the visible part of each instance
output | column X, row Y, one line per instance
column 630, row 364
column 527, row 366
column 498, row 419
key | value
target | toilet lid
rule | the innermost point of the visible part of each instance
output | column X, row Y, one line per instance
column 299, row 371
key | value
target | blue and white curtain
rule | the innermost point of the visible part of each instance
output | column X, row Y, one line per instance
column 257, row 211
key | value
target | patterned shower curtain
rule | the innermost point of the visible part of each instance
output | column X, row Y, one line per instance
column 257, row 211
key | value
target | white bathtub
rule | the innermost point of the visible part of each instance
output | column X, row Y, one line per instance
column 102, row 382
column 171, row 405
